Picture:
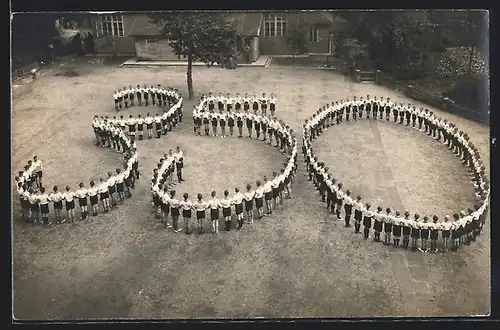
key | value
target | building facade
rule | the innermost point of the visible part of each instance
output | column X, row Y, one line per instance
column 260, row 33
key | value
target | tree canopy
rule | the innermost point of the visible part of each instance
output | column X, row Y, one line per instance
column 200, row 36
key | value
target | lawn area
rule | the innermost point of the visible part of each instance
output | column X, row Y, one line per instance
column 298, row 262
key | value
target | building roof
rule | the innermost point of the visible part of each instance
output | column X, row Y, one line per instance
column 322, row 18
column 247, row 24
column 142, row 26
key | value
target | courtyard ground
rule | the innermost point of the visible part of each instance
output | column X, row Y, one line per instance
column 298, row 262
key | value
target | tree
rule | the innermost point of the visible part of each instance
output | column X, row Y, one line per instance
column 397, row 41
column 463, row 28
column 350, row 50
column 205, row 37
column 297, row 40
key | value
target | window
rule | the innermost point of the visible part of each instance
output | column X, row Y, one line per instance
column 151, row 45
column 110, row 25
column 313, row 34
column 275, row 25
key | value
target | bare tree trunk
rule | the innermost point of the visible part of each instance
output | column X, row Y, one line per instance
column 189, row 74
column 471, row 57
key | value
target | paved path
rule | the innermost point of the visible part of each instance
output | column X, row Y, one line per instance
column 407, row 265
column 261, row 62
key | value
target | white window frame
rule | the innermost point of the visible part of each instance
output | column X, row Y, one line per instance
column 151, row 45
column 275, row 25
column 110, row 25
column 313, row 34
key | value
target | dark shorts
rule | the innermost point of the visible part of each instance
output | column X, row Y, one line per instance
column 377, row 226
column 348, row 208
column 255, row 106
column 275, row 192
column 446, row 234
column 214, row 122
column 186, row 213
column 388, row 227
column 230, row 122
column 259, row 202
column 156, row 200
column 205, row 121
column 58, row 205
column 149, row 126
column 222, row 123
column 214, row 214
column 174, row 211
column 93, row 200
column 120, row 186
column 164, row 207
column 424, row 233
column 44, row 208
column 249, row 206
column 200, row 215
column 272, row 106
column 357, row 215
column 367, row 222
column 239, row 123
column 82, row 201
column 434, row 234
column 39, row 173
column 104, row 195
column 238, row 208
column 415, row 233
column 70, row 205
column 35, row 207
column 111, row 190
column 226, row 211
column 246, row 106
column 237, row 106
column 249, row 123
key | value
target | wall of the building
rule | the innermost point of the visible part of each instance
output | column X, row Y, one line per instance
column 148, row 52
column 122, row 46
column 278, row 45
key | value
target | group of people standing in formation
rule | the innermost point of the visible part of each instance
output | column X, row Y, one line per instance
column 266, row 196
column 221, row 114
column 401, row 229
column 151, row 125
column 110, row 190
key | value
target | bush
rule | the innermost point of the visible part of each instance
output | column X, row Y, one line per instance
column 454, row 62
column 470, row 91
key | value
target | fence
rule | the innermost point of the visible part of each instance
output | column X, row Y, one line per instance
column 380, row 78
column 366, row 76
column 23, row 71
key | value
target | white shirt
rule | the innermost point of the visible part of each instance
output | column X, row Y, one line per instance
column 178, row 156
column 200, row 205
column 225, row 202
column 103, row 187
column 214, row 203
column 186, row 205
column 259, row 192
column 69, row 196
column 43, row 199
column 81, row 193
column 267, row 187
column 56, row 197
column 238, row 198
